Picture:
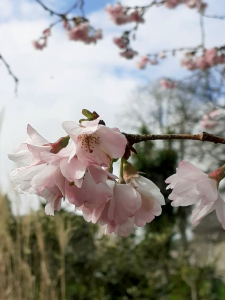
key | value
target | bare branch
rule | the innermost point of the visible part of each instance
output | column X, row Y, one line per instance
column 203, row 137
column 214, row 17
column 10, row 72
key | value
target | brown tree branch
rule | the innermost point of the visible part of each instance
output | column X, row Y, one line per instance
column 16, row 80
column 203, row 137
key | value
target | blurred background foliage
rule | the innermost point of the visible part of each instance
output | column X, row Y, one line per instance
column 64, row 257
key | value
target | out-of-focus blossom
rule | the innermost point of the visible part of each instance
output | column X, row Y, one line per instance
column 210, row 120
column 211, row 56
column 143, row 62
column 120, row 42
column 171, row 3
column 40, row 44
column 83, row 32
column 168, row 83
column 129, row 54
column 188, row 63
column 202, row 63
column 192, row 186
column 119, row 14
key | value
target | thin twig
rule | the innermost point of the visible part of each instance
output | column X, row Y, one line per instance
column 214, row 17
column 203, row 137
column 52, row 12
column 10, row 73
column 202, row 30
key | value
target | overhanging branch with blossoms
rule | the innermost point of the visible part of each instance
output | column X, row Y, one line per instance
column 79, row 167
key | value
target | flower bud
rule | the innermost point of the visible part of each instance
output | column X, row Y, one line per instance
column 59, row 144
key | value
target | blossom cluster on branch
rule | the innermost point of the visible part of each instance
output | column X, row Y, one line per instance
column 79, row 167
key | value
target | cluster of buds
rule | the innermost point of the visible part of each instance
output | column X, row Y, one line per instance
column 122, row 15
column 78, row 29
column 167, row 83
column 199, row 4
column 79, row 167
column 211, row 119
column 191, row 186
column 211, row 57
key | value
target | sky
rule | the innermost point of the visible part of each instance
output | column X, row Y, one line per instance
column 57, row 83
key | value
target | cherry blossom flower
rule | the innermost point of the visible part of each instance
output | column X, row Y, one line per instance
column 47, row 167
column 168, row 83
column 192, row 186
column 40, row 44
column 143, row 62
column 83, row 32
column 210, row 120
column 202, row 63
column 96, row 144
column 120, row 42
column 94, row 191
column 189, row 63
column 171, row 3
column 119, row 14
column 135, row 16
column 129, row 53
column 211, row 56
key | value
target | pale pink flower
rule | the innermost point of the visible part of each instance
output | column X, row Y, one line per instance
column 208, row 124
column 119, row 15
column 120, row 42
column 94, row 191
column 79, row 32
column 136, row 16
column 189, row 63
column 211, row 56
column 40, row 44
column 171, row 3
column 66, row 25
column 168, row 83
column 129, row 53
column 193, row 3
column 202, row 63
column 96, row 144
column 210, row 120
column 133, row 204
column 151, row 200
column 124, row 203
column 192, row 186
column 45, row 173
column 153, row 62
column 143, row 62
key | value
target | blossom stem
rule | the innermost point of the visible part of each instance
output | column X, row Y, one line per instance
column 121, row 179
column 203, row 137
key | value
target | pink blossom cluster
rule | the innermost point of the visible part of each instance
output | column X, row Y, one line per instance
column 123, row 43
column 168, row 83
column 77, row 167
column 80, row 31
column 211, row 119
column 191, row 186
column 190, row 3
column 122, row 15
column 142, row 63
column 210, row 58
